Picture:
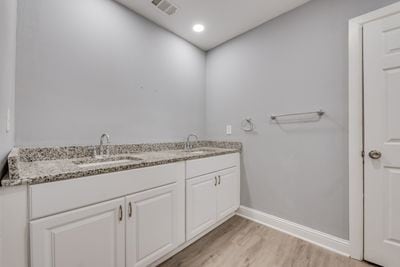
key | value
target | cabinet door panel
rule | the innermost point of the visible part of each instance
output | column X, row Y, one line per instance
column 91, row 236
column 227, row 192
column 152, row 228
column 200, row 204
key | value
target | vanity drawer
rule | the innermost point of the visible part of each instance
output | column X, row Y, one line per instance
column 198, row 167
column 51, row 198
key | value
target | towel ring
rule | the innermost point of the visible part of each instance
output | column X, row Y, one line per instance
column 247, row 125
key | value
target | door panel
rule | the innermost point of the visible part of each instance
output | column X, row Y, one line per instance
column 392, row 41
column 393, row 205
column 201, row 204
column 382, row 133
column 152, row 228
column 227, row 192
column 92, row 236
column 391, row 217
column 392, row 209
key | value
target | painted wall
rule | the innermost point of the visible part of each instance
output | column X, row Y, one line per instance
column 297, row 62
column 93, row 66
column 8, row 26
column 88, row 67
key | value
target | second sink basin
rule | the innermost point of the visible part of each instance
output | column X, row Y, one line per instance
column 93, row 162
column 200, row 150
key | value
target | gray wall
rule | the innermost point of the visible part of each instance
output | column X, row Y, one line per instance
column 296, row 62
column 8, row 26
column 87, row 67
column 93, row 66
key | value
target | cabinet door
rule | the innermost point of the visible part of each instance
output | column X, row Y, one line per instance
column 87, row 237
column 201, row 204
column 227, row 192
column 152, row 225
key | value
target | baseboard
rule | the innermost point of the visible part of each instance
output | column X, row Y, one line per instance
column 330, row 242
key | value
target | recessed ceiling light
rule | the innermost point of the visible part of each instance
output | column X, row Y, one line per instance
column 198, row 28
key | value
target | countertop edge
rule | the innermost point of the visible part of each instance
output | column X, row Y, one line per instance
column 16, row 181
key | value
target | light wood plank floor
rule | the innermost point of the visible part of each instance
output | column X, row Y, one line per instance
column 240, row 242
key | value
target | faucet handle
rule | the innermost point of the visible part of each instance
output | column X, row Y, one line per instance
column 108, row 150
column 95, row 154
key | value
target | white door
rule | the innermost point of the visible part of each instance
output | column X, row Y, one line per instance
column 382, row 140
column 152, row 227
column 87, row 237
column 227, row 192
column 201, row 204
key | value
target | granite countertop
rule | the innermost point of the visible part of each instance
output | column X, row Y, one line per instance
column 43, row 165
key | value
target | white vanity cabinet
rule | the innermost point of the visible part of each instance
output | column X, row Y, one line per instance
column 201, row 204
column 213, row 196
column 91, row 236
column 140, row 229
column 227, row 192
column 154, row 220
column 69, row 230
column 132, row 218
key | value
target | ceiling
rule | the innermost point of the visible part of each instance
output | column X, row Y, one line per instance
column 223, row 19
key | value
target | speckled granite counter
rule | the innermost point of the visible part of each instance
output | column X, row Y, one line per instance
column 43, row 165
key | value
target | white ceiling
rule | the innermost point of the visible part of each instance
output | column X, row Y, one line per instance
column 223, row 19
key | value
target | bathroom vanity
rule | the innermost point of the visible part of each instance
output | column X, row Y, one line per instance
column 138, row 208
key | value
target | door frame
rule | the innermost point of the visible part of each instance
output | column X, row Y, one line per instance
column 356, row 127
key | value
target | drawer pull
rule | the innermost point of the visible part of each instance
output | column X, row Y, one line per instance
column 121, row 215
column 215, row 178
column 130, row 209
column 219, row 179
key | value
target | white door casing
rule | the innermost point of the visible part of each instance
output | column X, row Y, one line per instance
column 86, row 237
column 382, row 134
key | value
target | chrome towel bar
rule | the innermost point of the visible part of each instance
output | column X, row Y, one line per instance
column 320, row 113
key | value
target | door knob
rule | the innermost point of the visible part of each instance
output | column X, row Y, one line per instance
column 375, row 154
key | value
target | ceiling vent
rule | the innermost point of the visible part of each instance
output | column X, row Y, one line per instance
column 165, row 6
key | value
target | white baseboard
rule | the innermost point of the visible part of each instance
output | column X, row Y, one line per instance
column 318, row 238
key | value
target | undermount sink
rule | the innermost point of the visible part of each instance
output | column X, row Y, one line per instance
column 200, row 150
column 93, row 162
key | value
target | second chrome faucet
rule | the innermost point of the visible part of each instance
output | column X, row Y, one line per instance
column 101, row 147
column 188, row 144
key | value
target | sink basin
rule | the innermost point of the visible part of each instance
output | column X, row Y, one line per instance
column 93, row 162
column 200, row 150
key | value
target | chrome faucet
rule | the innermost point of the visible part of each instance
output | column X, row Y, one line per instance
column 188, row 144
column 101, row 152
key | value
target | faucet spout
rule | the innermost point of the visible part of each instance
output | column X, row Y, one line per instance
column 107, row 137
column 188, row 144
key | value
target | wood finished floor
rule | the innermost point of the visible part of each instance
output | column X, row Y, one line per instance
column 240, row 242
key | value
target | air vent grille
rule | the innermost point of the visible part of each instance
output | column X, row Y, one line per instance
column 156, row 2
column 165, row 6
